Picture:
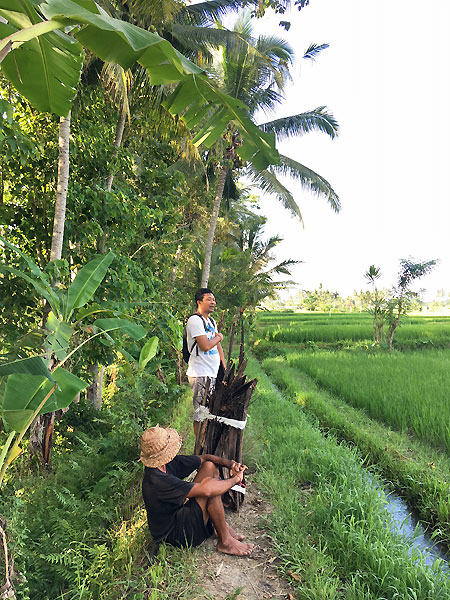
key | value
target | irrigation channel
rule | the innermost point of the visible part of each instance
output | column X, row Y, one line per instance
column 408, row 526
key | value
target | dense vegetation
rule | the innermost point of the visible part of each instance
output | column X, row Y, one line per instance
column 124, row 132
column 121, row 148
column 392, row 405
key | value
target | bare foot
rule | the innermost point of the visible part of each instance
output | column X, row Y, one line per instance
column 233, row 533
column 235, row 547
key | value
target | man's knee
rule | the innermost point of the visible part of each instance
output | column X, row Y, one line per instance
column 207, row 470
column 211, row 469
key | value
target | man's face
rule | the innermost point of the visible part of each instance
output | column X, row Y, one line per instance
column 207, row 304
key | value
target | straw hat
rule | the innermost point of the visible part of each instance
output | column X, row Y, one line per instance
column 159, row 446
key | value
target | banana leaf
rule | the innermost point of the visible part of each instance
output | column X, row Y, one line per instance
column 87, row 281
column 135, row 332
column 58, row 338
column 23, row 393
column 30, row 365
column 148, row 351
column 45, row 70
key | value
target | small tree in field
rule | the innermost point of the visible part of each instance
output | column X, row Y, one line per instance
column 388, row 309
column 378, row 303
column 402, row 296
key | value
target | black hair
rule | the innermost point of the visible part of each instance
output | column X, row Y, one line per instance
column 200, row 293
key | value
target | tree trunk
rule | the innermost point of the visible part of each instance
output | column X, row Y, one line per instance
column 212, row 226
column 61, row 189
column 95, row 392
column 241, row 348
column 41, row 430
column 91, row 391
column 230, row 347
column 117, row 143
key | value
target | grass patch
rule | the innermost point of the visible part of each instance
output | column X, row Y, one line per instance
column 407, row 391
column 300, row 328
column 328, row 513
column 419, row 472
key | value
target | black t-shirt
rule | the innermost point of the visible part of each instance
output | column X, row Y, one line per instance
column 165, row 493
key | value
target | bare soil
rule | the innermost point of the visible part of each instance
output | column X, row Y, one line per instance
column 256, row 577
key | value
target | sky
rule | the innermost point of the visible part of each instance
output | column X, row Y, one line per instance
column 386, row 79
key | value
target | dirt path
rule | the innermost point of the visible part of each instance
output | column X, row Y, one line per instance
column 224, row 577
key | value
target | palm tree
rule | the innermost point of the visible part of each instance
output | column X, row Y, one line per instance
column 256, row 71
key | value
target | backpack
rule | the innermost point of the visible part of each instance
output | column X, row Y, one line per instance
column 186, row 352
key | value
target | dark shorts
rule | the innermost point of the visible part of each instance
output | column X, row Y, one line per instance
column 189, row 528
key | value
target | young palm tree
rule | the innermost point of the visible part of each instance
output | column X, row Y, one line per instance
column 256, row 72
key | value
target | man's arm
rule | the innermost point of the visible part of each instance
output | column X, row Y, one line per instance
column 219, row 461
column 204, row 344
column 222, row 355
column 211, row 487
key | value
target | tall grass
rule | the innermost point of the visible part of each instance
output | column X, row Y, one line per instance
column 408, row 391
column 418, row 471
column 301, row 328
column 324, row 501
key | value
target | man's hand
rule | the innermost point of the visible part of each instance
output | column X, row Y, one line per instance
column 237, row 470
column 220, row 336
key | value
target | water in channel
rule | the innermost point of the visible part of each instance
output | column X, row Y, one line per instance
column 406, row 525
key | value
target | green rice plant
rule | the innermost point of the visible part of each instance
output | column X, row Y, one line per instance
column 421, row 474
column 407, row 391
column 324, row 499
column 301, row 328
column 322, row 332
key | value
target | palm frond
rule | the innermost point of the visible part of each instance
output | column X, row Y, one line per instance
column 314, row 120
column 309, row 179
column 153, row 13
column 118, row 84
column 204, row 14
column 314, row 50
column 284, row 267
column 195, row 38
column 267, row 182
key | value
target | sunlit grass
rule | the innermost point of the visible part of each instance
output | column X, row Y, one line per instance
column 408, row 391
column 421, row 473
column 328, row 513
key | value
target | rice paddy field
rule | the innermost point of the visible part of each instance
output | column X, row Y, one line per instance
column 408, row 389
column 318, row 327
column 391, row 409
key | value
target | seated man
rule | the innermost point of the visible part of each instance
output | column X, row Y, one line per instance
column 185, row 513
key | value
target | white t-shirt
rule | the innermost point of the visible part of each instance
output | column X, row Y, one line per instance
column 206, row 364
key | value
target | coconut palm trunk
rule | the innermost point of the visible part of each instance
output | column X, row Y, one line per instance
column 41, row 431
column 212, row 226
column 61, row 189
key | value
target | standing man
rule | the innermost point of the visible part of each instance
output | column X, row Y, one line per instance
column 206, row 354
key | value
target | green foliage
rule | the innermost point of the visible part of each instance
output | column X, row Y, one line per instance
column 328, row 509
column 418, row 471
column 61, row 523
column 13, row 141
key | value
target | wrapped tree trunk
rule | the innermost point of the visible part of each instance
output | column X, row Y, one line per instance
column 229, row 400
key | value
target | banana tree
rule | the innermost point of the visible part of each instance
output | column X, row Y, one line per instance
column 28, row 386
column 44, row 63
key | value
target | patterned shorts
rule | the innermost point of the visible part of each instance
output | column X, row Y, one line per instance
column 198, row 385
